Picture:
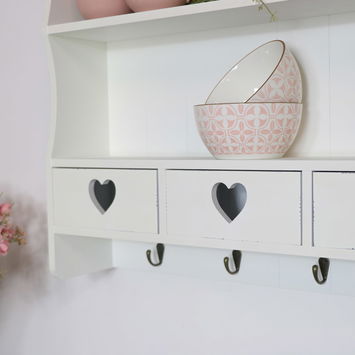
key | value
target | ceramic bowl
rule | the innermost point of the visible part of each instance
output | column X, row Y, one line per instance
column 93, row 8
column 146, row 5
column 268, row 74
column 248, row 130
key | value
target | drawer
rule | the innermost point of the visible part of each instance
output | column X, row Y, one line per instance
column 238, row 205
column 123, row 200
column 334, row 210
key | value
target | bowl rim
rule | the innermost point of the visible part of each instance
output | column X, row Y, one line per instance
column 243, row 58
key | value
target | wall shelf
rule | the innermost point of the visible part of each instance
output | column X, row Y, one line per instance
column 129, row 121
column 192, row 18
column 312, row 164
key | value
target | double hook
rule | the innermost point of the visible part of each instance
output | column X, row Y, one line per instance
column 323, row 268
column 160, row 252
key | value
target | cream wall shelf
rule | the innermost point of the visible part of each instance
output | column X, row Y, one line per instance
column 121, row 113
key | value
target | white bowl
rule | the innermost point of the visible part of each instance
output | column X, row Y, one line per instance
column 248, row 130
column 268, row 74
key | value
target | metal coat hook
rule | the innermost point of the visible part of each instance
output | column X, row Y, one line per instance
column 324, row 268
column 237, row 257
column 160, row 252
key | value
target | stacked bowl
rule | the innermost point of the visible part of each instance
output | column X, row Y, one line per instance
column 90, row 9
column 255, row 110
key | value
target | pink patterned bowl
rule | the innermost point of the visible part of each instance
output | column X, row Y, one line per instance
column 146, row 5
column 101, row 8
column 248, row 130
column 268, row 74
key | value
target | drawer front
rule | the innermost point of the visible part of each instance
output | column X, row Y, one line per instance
column 123, row 200
column 250, row 206
column 334, row 210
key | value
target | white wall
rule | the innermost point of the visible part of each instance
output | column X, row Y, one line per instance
column 189, row 306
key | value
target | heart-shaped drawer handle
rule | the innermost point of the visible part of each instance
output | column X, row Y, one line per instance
column 102, row 195
column 229, row 201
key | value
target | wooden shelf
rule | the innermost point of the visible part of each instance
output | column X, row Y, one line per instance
column 96, row 119
column 197, row 17
column 272, row 248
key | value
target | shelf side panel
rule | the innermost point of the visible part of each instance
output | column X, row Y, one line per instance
column 81, row 128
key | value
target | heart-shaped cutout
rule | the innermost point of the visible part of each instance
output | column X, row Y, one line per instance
column 102, row 195
column 229, row 201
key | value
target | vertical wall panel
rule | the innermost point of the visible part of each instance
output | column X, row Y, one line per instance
column 308, row 40
column 342, row 83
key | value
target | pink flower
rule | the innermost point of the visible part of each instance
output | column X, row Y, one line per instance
column 8, row 233
column 5, row 209
column 4, row 247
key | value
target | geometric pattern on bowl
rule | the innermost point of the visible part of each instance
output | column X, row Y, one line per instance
column 284, row 85
column 248, row 130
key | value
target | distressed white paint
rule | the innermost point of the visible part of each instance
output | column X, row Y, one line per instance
column 134, row 208
column 271, row 213
column 148, row 104
column 80, row 103
column 132, row 95
column 334, row 200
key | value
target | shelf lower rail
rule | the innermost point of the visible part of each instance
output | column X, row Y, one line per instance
column 269, row 248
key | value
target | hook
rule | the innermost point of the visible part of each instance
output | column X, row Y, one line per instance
column 160, row 252
column 237, row 257
column 324, row 268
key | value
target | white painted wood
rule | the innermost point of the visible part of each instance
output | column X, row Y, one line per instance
column 342, row 77
column 132, row 95
column 271, row 213
column 304, row 165
column 305, row 37
column 307, row 208
column 312, row 164
column 226, row 244
column 334, row 196
column 133, row 209
column 151, row 101
column 198, row 17
column 76, row 255
column 81, row 126
column 149, row 116
column 181, row 19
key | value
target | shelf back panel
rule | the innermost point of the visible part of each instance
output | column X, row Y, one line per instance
column 81, row 101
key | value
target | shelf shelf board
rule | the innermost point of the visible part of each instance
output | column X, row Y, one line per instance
column 245, row 246
column 296, row 164
column 196, row 17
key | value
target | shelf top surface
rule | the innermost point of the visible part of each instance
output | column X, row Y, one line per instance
column 196, row 17
column 309, row 163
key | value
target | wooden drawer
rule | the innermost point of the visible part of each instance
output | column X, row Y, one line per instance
column 269, row 205
column 334, row 210
column 126, row 202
